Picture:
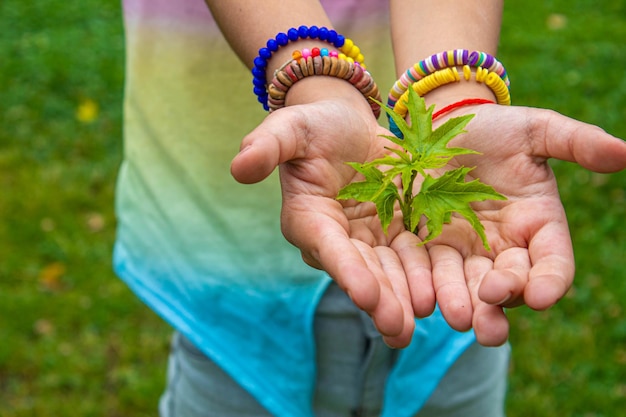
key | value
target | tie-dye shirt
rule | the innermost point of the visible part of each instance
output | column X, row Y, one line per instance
column 207, row 253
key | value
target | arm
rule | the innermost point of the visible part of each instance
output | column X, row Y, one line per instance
column 422, row 28
column 531, row 261
column 326, row 123
column 248, row 25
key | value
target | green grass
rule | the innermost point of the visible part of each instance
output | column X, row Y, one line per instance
column 571, row 359
column 74, row 340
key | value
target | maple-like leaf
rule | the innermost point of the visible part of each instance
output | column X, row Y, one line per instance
column 422, row 150
column 429, row 148
column 376, row 188
column 450, row 193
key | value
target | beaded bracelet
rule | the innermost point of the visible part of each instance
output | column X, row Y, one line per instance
column 442, row 60
column 259, row 80
column 450, row 75
column 461, row 103
column 447, row 76
column 317, row 61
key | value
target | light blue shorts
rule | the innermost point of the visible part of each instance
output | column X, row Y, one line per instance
column 351, row 379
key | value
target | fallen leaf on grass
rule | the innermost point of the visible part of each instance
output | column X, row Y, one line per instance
column 50, row 276
column 43, row 327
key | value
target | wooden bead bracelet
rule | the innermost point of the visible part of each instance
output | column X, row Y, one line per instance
column 317, row 62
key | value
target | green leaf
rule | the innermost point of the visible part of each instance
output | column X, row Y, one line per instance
column 423, row 150
column 376, row 188
column 416, row 133
column 440, row 197
column 435, row 152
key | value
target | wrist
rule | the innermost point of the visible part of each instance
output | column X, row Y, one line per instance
column 451, row 93
column 335, row 75
column 323, row 88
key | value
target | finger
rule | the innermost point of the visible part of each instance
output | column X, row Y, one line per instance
column 358, row 271
column 396, row 277
column 271, row 143
column 322, row 237
column 505, row 284
column 490, row 324
column 389, row 312
column 450, row 287
column 558, row 136
column 338, row 256
column 552, row 273
column 417, row 267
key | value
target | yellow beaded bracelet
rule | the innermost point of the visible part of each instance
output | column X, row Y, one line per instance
column 353, row 51
column 450, row 75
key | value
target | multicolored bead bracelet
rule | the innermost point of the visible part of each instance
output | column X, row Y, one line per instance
column 259, row 80
column 442, row 60
column 447, row 76
column 318, row 61
column 450, row 75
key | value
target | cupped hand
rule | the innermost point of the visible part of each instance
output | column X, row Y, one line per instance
column 311, row 144
column 531, row 259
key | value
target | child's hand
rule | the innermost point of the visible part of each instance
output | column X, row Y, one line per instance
column 531, row 261
column 312, row 143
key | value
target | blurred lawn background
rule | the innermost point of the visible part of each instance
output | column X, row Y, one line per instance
column 74, row 341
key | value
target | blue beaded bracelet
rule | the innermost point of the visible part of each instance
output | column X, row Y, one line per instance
column 330, row 36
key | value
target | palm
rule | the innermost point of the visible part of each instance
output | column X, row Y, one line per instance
column 346, row 240
column 390, row 276
column 531, row 261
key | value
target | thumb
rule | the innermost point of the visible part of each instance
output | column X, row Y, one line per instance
column 560, row 137
column 271, row 143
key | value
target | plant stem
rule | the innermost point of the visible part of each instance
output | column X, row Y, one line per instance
column 406, row 204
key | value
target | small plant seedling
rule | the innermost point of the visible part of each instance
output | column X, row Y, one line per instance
column 422, row 150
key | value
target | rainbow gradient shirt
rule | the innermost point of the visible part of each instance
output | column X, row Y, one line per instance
column 207, row 253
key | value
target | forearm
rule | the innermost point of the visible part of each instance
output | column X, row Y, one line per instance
column 247, row 25
column 420, row 28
